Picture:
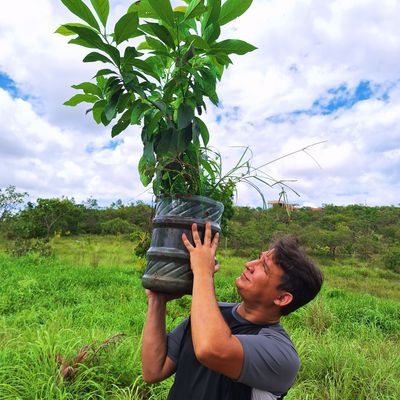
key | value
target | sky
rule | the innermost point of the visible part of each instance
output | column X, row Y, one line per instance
column 326, row 74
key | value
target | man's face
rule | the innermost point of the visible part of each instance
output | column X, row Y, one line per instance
column 260, row 279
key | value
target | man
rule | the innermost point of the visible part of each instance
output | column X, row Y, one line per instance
column 231, row 351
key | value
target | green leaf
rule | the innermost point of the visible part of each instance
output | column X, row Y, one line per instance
column 161, row 106
column 216, row 67
column 112, row 86
column 102, row 8
column 113, row 52
column 126, row 27
column 159, row 31
column 130, row 80
column 205, row 135
column 63, row 30
column 164, row 11
column 101, row 81
column 137, row 112
column 121, row 125
column 89, row 88
column 143, row 8
column 94, row 56
column 124, row 103
column 97, row 110
column 131, row 54
column 208, row 167
column 81, row 98
column 184, row 137
column 180, row 9
column 153, row 124
column 110, row 110
column 196, row 133
column 81, row 42
column 197, row 41
column 159, row 65
column 207, row 80
column 143, row 46
column 86, row 35
column 145, row 67
column 147, row 164
column 229, row 46
column 223, row 59
column 185, row 116
column 105, row 71
column 212, row 32
column 81, row 10
column 168, row 143
column 195, row 9
column 156, row 44
column 232, row 9
column 212, row 15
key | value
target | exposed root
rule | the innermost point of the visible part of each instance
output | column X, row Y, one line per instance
column 68, row 369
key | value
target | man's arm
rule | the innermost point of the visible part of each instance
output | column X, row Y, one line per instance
column 214, row 345
column 156, row 365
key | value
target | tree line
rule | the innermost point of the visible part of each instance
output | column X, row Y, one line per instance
column 366, row 233
column 64, row 216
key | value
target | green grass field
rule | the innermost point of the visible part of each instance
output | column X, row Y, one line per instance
column 90, row 291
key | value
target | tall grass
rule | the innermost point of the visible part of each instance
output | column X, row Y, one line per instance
column 348, row 339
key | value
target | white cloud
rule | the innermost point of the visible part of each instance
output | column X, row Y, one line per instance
column 305, row 48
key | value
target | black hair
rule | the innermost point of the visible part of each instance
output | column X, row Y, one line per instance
column 301, row 277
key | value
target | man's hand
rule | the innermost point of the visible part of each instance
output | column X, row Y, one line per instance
column 161, row 297
column 202, row 255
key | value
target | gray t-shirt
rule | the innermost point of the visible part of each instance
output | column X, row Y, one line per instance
column 270, row 362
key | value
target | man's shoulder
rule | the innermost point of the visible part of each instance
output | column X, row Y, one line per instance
column 276, row 331
column 278, row 335
column 271, row 361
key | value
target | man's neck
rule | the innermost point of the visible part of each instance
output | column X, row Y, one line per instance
column 257, row 315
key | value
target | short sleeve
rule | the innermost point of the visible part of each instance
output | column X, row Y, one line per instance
column 270, row 362
column 174, row 340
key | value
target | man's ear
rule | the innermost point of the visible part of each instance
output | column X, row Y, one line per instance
column 284, row 299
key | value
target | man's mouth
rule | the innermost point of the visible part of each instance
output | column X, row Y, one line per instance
column 243, row 275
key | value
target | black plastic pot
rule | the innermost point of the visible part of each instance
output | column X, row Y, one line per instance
column 168, row 266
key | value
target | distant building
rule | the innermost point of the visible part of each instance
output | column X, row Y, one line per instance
column 282, row 204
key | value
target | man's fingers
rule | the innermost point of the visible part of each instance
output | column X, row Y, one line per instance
column 197, row 240
column 195, row 234
column 207, row 234
column 214, row 243
column 186, row 242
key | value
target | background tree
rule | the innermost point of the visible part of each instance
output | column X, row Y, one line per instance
column 10, row 200
column 46, row 217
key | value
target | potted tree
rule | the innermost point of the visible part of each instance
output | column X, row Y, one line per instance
column 161, row 64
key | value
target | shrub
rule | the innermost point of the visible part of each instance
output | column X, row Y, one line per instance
column 391, row 259
column 142, row 244
column 23, row 247
column 116, row 226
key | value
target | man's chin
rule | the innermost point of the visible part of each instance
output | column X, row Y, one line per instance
column 239, row 281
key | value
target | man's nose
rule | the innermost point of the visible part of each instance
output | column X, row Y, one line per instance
column 251, row 264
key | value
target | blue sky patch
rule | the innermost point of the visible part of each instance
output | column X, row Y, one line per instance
column 231, row 114
column 8, row 84
column 90, row 148
column 341, row 97
column 110, row 145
